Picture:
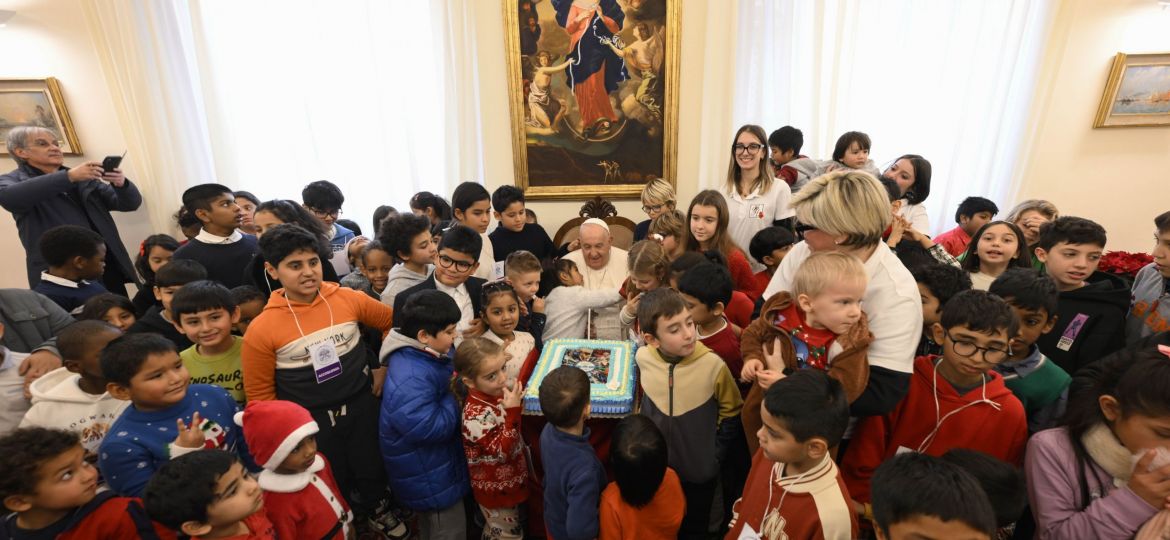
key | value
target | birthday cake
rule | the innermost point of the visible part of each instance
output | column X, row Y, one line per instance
column 609, row 365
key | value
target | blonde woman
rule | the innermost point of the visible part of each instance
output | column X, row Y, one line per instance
column 754, row 198
column 1029, row 216
column 657, row 198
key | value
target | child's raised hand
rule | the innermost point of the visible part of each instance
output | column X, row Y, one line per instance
column 190, row 435
column 750, row 369
column 1152, row 486
column 476, row 329
column 513, row 395
column 765, row 378
column 537, row 304
column 635, row 298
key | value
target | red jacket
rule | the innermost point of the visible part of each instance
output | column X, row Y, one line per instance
column 812, row 505
column 306, row 505
column 955, row 241
column 495, row 451
column 1000, row 430
column 259, row 528
column 739, row 309
column 106, row 517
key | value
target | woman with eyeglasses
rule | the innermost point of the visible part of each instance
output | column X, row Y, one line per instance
column 657, row 198
column 847, row 211
column 278, row 212
column 755, row 199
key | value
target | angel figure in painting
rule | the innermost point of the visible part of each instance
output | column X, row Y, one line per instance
column 544, row 111
column 645, row 55
column 595, row 70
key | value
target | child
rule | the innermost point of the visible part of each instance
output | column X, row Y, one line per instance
column 768, row 247
column 205, row 312
column 250, row 302
column 248, row 203
column 419, row 428
column 649, row 269
column 455, row 264
column 13, row 403
column 380, row 215
column 501, row 311
column 156, row 251
column 645, row 501
column 1002, row 483
column 209, row 494
column 670, row 229
column 430, row 206
column 77, row 258
column 167, row 281
column 1083, row 481
column 514, row 233
column 491, row 436
column 408, row 238
column 805, row 416
column 220, row 247
column 998, row 246
column 573, row 476
column 850, row 152
column 1040, row 385
column 51, row 489
column 353, row 251
column 708, row 231
column 522, row 269
column 818, row 325
column 973, row 214
column 937, row 283
column 375, row 265
column 969, row 408
column 569, row 302
column 657, row 199
column 1091, row 312
column 74, row 397
column 530, row 216
column 324, row 199
column 706, row 289
column 306, row 347
column 188, row 224
column 1149, row 311
column 351, row 225
column 167, row 417
column 788, row 163
column 917, row 496
column 300, row 494
column 113, row 309
column 471, row 207
column 688, row 393
column 739, row 310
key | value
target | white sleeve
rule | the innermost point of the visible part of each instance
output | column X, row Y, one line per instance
column 897, row 329
column 783, row 194
column 916, row 213
column 782, row 279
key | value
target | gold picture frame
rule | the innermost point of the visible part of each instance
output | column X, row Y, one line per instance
column 562, row 150
column 36, row 102
column 1137, row 92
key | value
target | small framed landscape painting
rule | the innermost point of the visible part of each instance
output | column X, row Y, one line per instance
column 36, row 102
column 1137, row 93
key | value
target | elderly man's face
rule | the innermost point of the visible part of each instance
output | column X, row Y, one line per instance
column 595, row 244
column 42, row 150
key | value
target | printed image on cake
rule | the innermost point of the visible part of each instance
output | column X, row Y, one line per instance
column 609, row 365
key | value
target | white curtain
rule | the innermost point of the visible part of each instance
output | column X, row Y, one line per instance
column 951, row 80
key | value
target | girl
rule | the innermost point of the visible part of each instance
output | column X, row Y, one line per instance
column 645, row 501
column 156, row 251
column 708, row 231
column 471, row 205
column 911, row 173
column 1104, row 474
column 851, row 153
column 491, row 437
column 753, row 198
column 670, row 230
column 1029, row 216
column 248, row 204
column 431, row 206
column 115, row 309
column 657, row 199
column 649, row 269
column 996, row 247
column 568, row 302
column 501, row 313
column 278, row 212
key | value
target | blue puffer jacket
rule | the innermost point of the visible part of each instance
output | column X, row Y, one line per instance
column 419, row 428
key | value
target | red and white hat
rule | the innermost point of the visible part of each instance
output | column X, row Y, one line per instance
column 273, row 428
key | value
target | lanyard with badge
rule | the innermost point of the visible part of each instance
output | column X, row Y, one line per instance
column 326, row 363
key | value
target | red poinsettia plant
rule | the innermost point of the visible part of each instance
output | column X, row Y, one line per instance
column 1124, row 263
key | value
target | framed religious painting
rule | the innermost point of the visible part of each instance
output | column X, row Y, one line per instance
column 593, row 86
column 1137, row 92
column 36, row 102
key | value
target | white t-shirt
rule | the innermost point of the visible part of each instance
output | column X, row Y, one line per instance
column 916, row 215
column 747, row 216
column 892, row 304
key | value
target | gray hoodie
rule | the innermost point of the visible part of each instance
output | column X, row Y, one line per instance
column 394, row 341
column 806, row 170
column 1149, row 305
column 402, row 278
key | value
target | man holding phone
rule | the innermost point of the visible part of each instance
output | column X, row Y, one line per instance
column 42, row 193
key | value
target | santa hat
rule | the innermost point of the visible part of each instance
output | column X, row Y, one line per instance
column 273, row 428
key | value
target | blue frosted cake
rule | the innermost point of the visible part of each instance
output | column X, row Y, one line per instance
column 609, row 365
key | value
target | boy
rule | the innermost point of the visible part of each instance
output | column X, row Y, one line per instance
column 514, row 233
column 973, row 213
column 251, row 302
column 77, row 258
column 471, row 206
column 459, row 251
column 937, row 283
column 74, row 397
column 220, row 247
column 205, row 312
column 306, row 347
column 917, row 496
column 954, row 401
column 13, row 404
column 706, row 289
column 421, row 441
column 522, row 269
column 51, row 490
column 787, row 161
column 1040, row 385
column 1091, row 312
column 209, row 494
column 805, row 416
column 1149, row 311
column 324, row 199
column 167, row 281
column 573, row 476
column 688, row 393
column 768, row 247
column 408, row 238
column 167, row 417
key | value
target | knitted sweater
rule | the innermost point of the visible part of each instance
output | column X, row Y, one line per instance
column 495, row 452
column 69, row 297
column 1040, row 385
column 225, row 263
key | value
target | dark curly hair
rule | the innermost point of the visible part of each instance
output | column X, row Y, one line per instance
column 23, row 451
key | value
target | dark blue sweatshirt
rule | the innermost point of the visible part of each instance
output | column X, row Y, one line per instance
column 573, row 480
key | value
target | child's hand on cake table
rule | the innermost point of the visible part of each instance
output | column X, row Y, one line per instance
column 513, row 395
column 190, row 435
column 750, row 369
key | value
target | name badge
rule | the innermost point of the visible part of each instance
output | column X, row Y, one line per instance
column 326, row 364
column 1071, row 332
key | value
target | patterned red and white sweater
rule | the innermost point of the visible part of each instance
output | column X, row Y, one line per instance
column 495, row 451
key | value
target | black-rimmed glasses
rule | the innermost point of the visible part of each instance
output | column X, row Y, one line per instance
column 752, row 148
column 967, row 349
column 460, row 266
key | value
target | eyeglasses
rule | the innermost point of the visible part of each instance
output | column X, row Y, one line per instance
column 967, row 349
column 322, row 214
column 460, row 266
column 652, row 208
column 749, row 148
column 41, row 143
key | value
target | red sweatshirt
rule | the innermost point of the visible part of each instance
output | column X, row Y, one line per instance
column 106, row 517
column 995, row 425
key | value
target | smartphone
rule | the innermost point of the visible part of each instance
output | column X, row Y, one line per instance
column 112, row 162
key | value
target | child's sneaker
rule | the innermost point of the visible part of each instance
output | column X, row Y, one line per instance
column 385, row 522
